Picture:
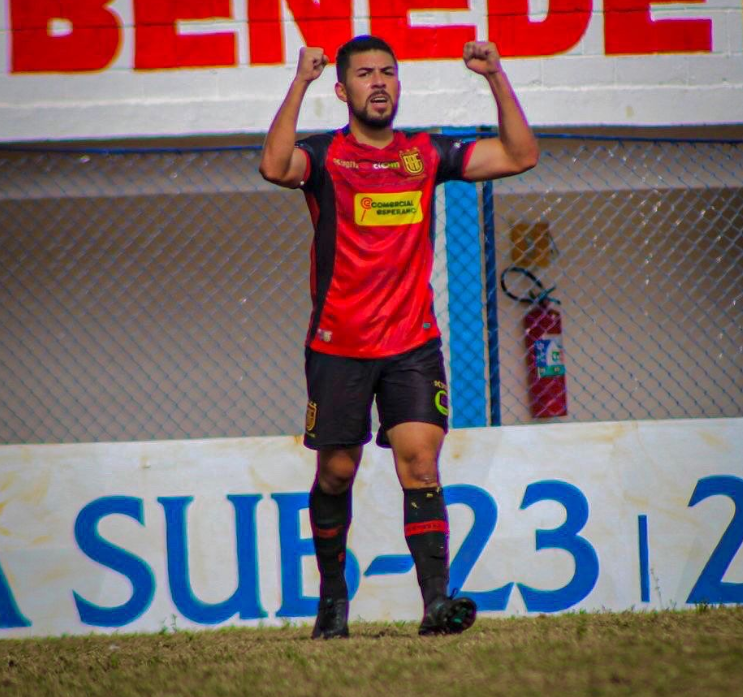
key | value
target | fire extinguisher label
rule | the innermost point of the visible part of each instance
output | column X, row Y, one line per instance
column 548, row 352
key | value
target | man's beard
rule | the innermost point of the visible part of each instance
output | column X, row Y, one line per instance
column 371, row 120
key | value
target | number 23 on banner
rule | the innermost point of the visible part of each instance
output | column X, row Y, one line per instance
column 708, row 587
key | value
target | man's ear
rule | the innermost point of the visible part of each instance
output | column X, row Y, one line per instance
column 340, row 92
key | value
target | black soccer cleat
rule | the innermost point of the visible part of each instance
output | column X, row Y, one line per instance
column 332, row 619
column 448, row 616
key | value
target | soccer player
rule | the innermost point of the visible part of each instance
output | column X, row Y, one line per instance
column 372, row 333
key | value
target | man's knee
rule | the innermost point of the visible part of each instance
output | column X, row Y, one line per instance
column 336, row 469
column 419, row 468
column 332, row 482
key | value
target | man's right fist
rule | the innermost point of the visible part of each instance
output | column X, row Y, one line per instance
column 312, row 62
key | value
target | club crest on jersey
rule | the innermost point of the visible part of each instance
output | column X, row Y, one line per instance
column 412, row 161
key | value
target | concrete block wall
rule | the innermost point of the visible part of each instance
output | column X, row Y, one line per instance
column 600, row 62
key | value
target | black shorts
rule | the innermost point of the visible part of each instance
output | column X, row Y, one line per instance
column 410, row 386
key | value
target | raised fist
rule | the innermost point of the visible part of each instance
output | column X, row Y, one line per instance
column 482, row 57
column 312, row 62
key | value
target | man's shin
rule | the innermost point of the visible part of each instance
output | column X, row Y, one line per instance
column 427, row 536
column 330, row 517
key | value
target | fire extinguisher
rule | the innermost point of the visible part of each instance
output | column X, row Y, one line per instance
column 544, row 352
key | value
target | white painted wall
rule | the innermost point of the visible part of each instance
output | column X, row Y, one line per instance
column 619, row 470
column 582, row 86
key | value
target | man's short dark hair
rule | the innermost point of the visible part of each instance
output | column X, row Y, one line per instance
column 359, row 44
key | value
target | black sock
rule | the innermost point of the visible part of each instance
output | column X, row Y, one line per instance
column 427, row 535
column 330, row 517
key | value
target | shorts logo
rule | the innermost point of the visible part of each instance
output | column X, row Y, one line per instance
column 400, row 208
column 441, row 400
column 311, row 416
column 412, row 161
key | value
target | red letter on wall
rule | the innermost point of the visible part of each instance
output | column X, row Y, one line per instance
column 158, row 45
column 324, row 23
column 390, row 20
column 90, row 45
column 629, row 28
column 515, row 34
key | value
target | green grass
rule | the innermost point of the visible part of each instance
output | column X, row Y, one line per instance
column 697, row 653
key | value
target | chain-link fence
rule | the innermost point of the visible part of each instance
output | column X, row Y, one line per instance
column 157, row 295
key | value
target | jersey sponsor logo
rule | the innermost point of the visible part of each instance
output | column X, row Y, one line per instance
column 399, row 208
column 412, row 161
column 365, row 165
column 348, row 164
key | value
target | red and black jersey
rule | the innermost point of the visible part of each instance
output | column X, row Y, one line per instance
column 372, row 253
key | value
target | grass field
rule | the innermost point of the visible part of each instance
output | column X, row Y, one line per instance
column 696, row 653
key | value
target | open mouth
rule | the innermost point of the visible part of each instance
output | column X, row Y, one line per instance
column 379, row 99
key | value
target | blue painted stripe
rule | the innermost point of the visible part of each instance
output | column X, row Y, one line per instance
column 466, row 325
column 390, row 564
column 642, row 533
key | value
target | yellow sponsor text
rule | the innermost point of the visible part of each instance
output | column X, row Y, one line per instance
column 399, row 208
column 349, row 164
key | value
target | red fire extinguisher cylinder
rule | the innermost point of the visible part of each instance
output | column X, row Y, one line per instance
column 545, row 362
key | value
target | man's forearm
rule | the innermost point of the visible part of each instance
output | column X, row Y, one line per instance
column 513, row 128
column 281, row 136
column 278, row 163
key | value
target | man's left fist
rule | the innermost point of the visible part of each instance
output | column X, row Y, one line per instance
column 482, row 57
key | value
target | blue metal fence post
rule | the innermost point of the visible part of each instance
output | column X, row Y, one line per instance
column 466, row 324
column 491, row 301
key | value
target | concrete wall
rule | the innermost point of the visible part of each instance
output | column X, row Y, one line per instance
column 160, row 296
column 131, row 68
column 137, row 536
column 647, row 302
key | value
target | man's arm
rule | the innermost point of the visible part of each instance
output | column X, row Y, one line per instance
column 281, row 162
column 515, row 149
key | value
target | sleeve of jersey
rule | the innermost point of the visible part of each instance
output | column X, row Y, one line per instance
column 454, row 154
column 314, row 149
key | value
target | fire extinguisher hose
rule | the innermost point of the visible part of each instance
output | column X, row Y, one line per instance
column 542, row 297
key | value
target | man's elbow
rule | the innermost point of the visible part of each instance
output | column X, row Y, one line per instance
column 528, row 159
column 269, row 173
column 278, row 176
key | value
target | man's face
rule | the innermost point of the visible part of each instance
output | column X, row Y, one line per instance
column 372, row 89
